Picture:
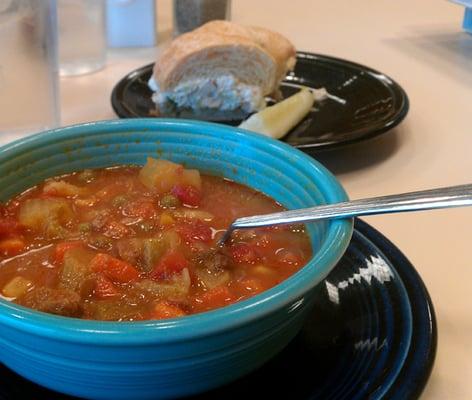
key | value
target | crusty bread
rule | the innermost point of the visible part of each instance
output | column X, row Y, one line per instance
column 277, row 45
column 221, row 67
column 204, row 53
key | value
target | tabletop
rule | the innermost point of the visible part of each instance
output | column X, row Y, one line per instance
column 421, row 45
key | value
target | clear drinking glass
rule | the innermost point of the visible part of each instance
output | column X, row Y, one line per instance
column 82, row 36
column 190, row 14
column 29, row 100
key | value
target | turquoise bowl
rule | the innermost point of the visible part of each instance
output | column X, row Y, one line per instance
column 176, row 357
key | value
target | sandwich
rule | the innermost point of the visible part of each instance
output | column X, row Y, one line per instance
column 220, row 71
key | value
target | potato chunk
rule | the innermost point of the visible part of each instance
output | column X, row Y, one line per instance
column 76, row 270
column 17, row 287
column 62, row 189
column 48, row 216
column 191, row 177
column 163, row 175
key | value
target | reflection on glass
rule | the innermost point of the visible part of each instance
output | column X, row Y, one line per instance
column 82, row 36
column 28, row 67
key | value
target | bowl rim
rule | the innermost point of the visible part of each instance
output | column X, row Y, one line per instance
column 195, row 325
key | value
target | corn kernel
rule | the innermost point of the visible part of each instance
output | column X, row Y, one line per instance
column 166, row 219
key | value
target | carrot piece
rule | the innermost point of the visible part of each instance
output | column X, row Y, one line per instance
column 144, row 208
column 11, row 246
column 114, row 268
column 219, row 296
column 62, row 247
column 244, row 253
column 171, row 263
column 164, row 310
column 104, row 288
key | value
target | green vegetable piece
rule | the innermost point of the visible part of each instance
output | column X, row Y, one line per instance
column 175, row 289
column 84, row 227
column 169, row 201
column 114, row 310
column 119, row 201
column 147, row 226
column 154, row 249
column 100, row 242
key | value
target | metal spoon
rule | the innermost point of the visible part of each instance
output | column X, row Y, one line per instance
column 453, row 196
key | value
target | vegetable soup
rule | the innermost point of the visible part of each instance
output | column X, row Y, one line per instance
column 136, row 243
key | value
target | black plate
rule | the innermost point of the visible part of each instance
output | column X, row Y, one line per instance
column 374, row 103
column 372, row 335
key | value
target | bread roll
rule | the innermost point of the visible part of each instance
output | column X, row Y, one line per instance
column 277, row 45
column 221, row 69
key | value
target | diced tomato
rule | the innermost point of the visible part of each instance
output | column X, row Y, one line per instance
column 114, row 268
column 217, row 297
column 11, row 246
column 164, row 310
column 244, row 253
column 144, row 208
column 62, row 247
column 285, row 256
column 195, row 230
column 9, row 226
column 187, row 194
column 171, row 263
column 104, row 288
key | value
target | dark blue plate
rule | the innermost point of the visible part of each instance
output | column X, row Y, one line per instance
column 369, row 103
column 372, row 335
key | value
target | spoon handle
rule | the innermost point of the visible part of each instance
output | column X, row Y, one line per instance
column 453, row 196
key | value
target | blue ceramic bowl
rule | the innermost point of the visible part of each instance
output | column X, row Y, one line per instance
column 171, row 358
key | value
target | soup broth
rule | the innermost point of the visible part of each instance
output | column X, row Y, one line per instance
column 136, row 243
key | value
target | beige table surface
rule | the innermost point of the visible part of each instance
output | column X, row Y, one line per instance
column 420, row 44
